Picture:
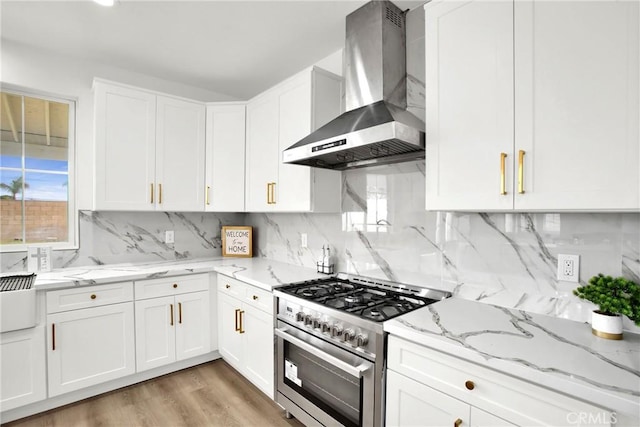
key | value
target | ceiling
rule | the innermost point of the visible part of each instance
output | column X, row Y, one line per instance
column 237, row 48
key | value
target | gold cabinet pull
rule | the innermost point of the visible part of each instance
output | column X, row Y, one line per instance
column 227, row 286
column 469, row 385
column 521, row 171
column 503, row 179
column 273, row 193
column 93, row 296
column 241, row 319
column 180, row 312
column 457, row 423
column 160, row 193
column 53, row 337
column 152, row 191
column 268, row 193
column 206, row 195
column 255, row 297
column 175, row 285
column 171, row 308
column 237, row 319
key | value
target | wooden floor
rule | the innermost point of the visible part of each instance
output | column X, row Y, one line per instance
column 211, row 394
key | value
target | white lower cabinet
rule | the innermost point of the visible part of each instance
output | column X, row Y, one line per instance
column 90, row 346
column 426, row 387
column 245, row 335
column 410, row 403
column 22, row 367
column 174, row 327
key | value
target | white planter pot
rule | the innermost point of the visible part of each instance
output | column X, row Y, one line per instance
column 607, row 326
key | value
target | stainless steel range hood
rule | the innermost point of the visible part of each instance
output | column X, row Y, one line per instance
column 376, row 129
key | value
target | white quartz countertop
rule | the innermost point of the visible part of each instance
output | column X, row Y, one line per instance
column 556, row 353
column 259, row 272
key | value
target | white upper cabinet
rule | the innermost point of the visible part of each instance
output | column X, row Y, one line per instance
column 180, row 145
column 532, row 106
column 276, row 120
column 149, row 151
column 225, row 146
column 125, row 138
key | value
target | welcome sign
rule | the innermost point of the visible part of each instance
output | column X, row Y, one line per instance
column 237, row 241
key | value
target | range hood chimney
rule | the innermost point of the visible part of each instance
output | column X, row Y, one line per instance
column 376, row 129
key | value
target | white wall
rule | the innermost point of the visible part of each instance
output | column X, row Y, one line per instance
column 68, row 77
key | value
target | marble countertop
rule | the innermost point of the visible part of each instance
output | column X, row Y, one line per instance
column 557, row 353
column 260, row 272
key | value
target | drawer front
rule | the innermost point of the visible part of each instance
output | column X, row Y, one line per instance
column 260, row 299
column 507, row 397
column 89, row 296
column 252, row 295
column 168, row 286
column 233, row 287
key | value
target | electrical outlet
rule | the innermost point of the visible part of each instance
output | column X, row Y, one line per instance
column 169, row 237
column 303, row 240
column 569, row 268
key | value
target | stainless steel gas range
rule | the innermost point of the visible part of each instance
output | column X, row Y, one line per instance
column 331, row 346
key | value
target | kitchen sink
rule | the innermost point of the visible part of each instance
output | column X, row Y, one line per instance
column 17, row 302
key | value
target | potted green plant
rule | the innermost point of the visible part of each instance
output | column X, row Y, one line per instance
column 615, row 296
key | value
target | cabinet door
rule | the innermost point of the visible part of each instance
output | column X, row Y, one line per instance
column 22, row 367
column 576, row 100
column 262, row 153
column 294, row 181
column 259, row 348
column 225, row 169
column 125, row 134
column 193, row 327
column 90, row 346
column 410, row 403
column 180, row 153
column 470, row 108
column 229, row 338
column 481, row 418
column 155, row 332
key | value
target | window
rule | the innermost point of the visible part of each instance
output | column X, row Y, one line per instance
column 37, row 135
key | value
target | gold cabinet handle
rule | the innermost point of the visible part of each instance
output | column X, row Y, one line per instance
column 273, row 193
column 227, row 286
column 93, row 296
column 457, row 423
column 206, row 195
column 237, row 319
column 152, row 191
column 241, row 319
column 469, row 385
column 255, row 297
column 53, row 337
column 171, row 308
column 180, row 312
column 160, row 193
column 269, row 193
column 175, row 285
column 503, row 179
column 521, row 171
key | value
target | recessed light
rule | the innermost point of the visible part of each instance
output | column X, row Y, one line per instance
column 105, row 2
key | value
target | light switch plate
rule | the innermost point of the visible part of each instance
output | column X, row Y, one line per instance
column 169, row 237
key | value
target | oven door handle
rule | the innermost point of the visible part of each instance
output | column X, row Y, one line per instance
column 356, row 371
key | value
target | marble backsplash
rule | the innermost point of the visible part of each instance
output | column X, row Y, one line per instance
column 507, row 259
column 118, row 237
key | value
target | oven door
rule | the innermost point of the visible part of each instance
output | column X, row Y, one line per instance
column 329, row 383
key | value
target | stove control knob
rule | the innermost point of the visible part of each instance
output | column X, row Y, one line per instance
column 361, row 340
column 299, row 316
column 325, row 327
column 316, row 323
column 348, row 335
column 336, row 330
column 308, row 320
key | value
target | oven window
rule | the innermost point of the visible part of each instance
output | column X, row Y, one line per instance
column 329, row 388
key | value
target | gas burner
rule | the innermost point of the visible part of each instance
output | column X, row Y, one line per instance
column 375, row 312
column 310, row 292
column 353, row 299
